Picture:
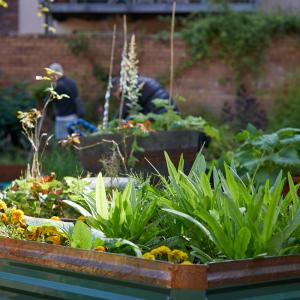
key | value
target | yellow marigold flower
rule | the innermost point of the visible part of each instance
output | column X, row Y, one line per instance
column 4, row 218
column 81, row 218
column 100, row 249
column 148, row 255
column 17, row 216
column 2, row 205
column 186, row 262
column 54, row 239
column 160, row 250
column 55, row 218
column 177, row 256
column 49, row 230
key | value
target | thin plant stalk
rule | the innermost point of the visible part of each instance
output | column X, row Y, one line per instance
column 123, row 73
column 109, row 87
column 172, row 52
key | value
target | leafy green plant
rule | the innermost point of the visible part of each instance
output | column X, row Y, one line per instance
column 78, row 235
column 83, row 237
column 42, row 196
column 231, row 219
column 268, row 154
column 171, row 120
column 127, row 215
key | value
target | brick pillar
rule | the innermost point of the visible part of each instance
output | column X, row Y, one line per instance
column 9, row 18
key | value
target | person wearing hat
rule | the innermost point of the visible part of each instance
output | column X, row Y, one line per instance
column 66, row 110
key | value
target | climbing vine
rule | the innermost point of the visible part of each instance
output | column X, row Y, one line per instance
column 241, row 39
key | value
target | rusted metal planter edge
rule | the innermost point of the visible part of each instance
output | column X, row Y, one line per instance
column 154, row 273
column 113, row 266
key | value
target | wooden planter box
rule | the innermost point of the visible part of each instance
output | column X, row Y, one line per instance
column 31, row 270
column 175, row 143
column 11, row 172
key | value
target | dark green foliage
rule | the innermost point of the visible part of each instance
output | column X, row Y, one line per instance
column 239, row 38
column 13, row 99
column 62, row 161
column 287, row 110
column 100, row 73
column 79, row 43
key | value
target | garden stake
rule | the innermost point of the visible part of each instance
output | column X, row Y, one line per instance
column 109, row 87
column 172, row 52
column 123, row 73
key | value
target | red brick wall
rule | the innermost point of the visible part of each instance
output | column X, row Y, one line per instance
column 9, row 18
column 205, row 85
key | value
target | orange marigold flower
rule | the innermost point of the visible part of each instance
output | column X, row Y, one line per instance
column 35, row 234
column 45, row 191
column 17, row 216
column 15, row 187
column 4, row 218
column 49, row 178
column 100, row 249
column 54, row 239
column 55, row 218
column 2, row 205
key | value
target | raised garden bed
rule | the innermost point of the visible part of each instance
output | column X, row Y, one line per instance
column 175, row 143
column 38, row 271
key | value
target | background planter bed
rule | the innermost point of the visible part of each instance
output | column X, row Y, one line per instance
column 30, row 270
column 11, row 172
column 186, row 142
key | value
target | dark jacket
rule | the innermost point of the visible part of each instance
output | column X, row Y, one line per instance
column 66, row 106
column 151, row 90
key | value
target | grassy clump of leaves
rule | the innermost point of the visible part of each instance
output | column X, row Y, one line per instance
column 225, row 217
column 121, row 214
